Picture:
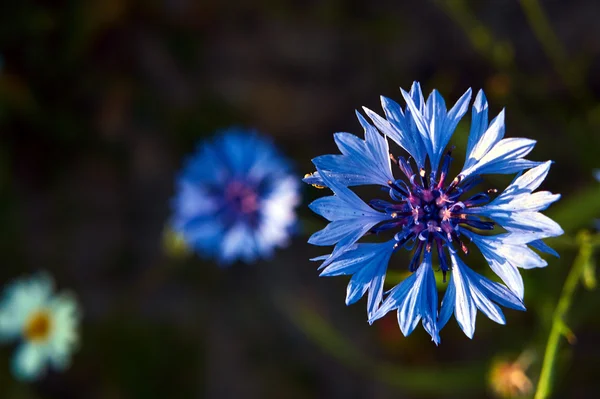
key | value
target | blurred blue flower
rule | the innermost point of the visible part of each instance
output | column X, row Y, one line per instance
column 235, row 198
column 430, row 213
column 45, row 324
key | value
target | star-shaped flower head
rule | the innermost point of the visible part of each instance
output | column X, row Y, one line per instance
column 45, row 325
column 235, row 198
column 431, row 214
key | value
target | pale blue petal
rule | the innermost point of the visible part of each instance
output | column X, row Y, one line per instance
column 479, row 123
column 342, row 207
column 351, row 221
column 29, row 362
column 395, row 298
column 472, row 291
column 504, row 258
column 488, row 307
column 523, row 222
column 528, row 181
column 347, row 197
column 363, row 161
column 465, row 309
column 421, row 302
column 415, row 298
column 493, row 134
column 368, row 264
column 504, row 157
column 378, row 148
column 339, row 229
column 237, row 243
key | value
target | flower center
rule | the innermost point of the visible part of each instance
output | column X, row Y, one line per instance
column 38, row 326
column 429, row 212
column 241, row 198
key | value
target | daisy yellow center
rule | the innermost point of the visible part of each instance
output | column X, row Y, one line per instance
column 38, row 326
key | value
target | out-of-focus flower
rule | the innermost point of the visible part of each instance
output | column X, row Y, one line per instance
column 235, row 198
column 509, row 380
column 597, row 174
column 44, row 323
column 430, row 213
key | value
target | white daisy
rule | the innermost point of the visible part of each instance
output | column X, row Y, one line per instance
column 45, row 324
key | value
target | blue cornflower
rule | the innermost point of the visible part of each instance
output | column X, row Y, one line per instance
column 45, row 324
column 431, row 214
column 235, row 198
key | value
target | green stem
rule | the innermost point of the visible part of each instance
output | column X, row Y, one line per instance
column 558, row 326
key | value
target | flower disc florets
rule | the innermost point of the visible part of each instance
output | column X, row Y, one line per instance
column 428, row 210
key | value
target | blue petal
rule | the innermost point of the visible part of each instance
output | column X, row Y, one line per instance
column 504, row 257
column 527, row 222
column 344, row 169
column 449, row 123
column 479, row 123
column 448, row 305
column 493, row 134
column 396, row 128
column 529, row 181
column 351, row 217
column 516, row 208
column 420, row 123
column 238, row 243
column 543, row 247
column 472, row 291
column 464, row 306
column 416, row 299
column 503, row 158
column 434, row 124
column 521, row 187
column 368, row 264
column 362, row 161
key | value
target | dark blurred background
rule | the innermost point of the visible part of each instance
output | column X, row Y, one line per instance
column 101, row 99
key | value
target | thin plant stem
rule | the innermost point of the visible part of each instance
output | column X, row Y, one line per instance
column 559, row 328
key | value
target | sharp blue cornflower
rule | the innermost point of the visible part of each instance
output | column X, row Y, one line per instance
column 44, row 323
column 432, row 215
column 235, row 198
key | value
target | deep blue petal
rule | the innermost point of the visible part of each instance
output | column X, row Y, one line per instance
column 543, row 247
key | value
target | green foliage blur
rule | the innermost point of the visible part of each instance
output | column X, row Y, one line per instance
column 100, row 100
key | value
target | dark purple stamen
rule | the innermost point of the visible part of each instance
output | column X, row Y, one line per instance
column 429, row 214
